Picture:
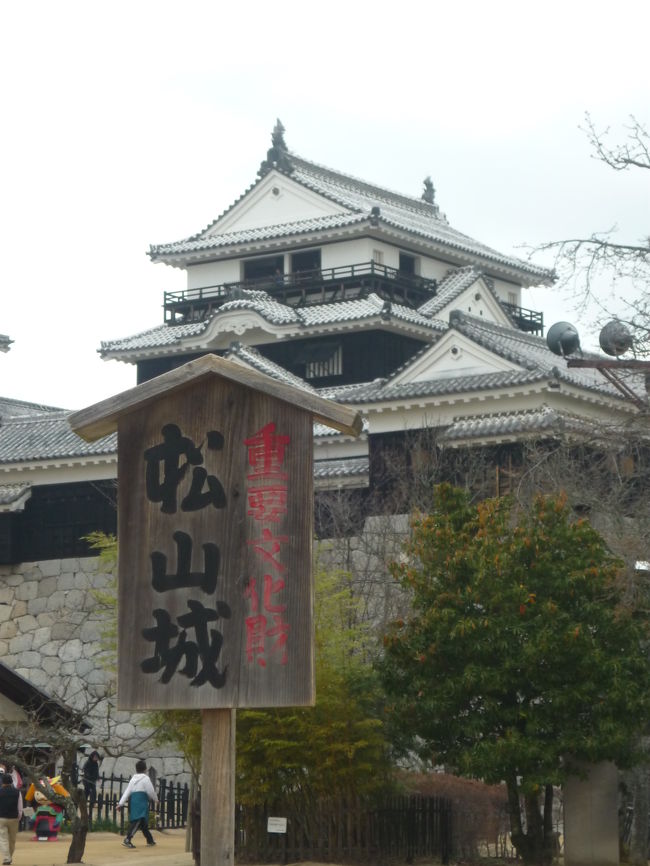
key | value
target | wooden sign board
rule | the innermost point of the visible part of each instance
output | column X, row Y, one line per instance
column 215, row 510
column 215, row 532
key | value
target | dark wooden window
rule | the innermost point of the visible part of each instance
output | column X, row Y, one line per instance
column 56, row 519
column 308, row 260
column 407, row 264
column 331, row 366
column 257, row 269
column 365, row 356
column 323, row 361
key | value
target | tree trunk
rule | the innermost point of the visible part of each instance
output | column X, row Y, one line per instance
column 536, row 845
column 195, row 821
column 79, row 826
column 514, row 812
column 638, row 784
column 77, row 845
column 75, row 807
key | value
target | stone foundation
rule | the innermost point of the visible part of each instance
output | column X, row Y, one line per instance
column 51, row 627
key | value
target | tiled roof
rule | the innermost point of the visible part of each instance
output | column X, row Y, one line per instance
column 21, row 408
column 530, row 352
column 252, row 358
column 268, row 307
column 13, row 496
column 382, row 390
column 358, row 309
column 449, row 288
column 347, row 468
column 262, row 233
column 515, row 424
column 332, row 313
column 162, row 335
column 47, row 437
column 360, row 201
column 403, row 212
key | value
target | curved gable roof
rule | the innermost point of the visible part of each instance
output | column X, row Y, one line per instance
column 449, row 288
column 332, row 313
column 530, row 353
column 362, row 203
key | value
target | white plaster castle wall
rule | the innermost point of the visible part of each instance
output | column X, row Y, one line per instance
column 213, row 274
column 50, row 634
column 333, row 255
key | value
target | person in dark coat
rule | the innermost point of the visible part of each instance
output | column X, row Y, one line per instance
column 11, row 810
column 91, row 776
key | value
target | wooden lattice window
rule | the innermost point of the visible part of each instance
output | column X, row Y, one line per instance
column 327, row 362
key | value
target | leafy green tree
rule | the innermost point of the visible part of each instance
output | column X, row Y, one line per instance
column 181, row 728
column 518, row 657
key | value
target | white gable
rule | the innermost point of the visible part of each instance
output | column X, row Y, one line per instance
column 275, row 200
column 452, row 356
column 477, row 300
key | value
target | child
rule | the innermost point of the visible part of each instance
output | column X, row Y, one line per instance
column 138, row 792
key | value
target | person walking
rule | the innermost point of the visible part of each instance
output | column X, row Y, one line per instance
column 138, row 792
column 11, row 810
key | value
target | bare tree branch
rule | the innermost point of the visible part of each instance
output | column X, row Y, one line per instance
column 634, row 152
column 585, row 263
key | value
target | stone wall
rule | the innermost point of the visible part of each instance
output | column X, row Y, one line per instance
column 51, row 628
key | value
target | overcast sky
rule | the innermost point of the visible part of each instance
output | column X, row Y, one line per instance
column 132, row 123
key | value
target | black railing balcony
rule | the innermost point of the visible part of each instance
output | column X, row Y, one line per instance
column 317, row 286
column 530, row 321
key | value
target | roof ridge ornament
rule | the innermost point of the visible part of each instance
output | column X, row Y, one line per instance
column 277, row 156
column 429, row 196
column 429, row 193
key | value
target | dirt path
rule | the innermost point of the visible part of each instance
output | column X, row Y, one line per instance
column 106, row 849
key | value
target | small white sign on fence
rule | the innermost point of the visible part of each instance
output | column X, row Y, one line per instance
column 276, row 825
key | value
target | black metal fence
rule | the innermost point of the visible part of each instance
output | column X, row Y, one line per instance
column 398, row 829
column 171, row 809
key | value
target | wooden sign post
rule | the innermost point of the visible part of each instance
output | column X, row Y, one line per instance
column 215, row 511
